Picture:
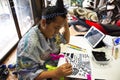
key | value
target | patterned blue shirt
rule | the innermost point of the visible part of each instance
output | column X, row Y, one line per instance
column 33, row 51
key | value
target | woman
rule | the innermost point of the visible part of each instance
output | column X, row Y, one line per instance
column 34, row 49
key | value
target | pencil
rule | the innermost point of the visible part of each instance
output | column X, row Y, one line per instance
column 77, row 48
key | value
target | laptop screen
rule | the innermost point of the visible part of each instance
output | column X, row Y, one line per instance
column 94, row 36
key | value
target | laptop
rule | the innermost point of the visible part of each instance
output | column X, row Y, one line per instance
column 94, row 37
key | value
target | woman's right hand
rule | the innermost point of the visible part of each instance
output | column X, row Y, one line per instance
column 63, row 70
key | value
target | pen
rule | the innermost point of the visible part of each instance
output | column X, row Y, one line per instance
column 66, row 60
column 116, row 53
column 112, row 51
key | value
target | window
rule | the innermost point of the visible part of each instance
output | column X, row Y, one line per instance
column 8, row 33
column 16, row 18
column 24, row 15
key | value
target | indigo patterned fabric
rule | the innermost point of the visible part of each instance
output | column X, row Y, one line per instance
column 33, row 51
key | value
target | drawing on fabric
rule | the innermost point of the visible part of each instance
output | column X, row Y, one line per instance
column 80, row 64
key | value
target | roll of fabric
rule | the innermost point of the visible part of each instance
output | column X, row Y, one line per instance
column 92, row 16
column 87, row 14
column 81, row 11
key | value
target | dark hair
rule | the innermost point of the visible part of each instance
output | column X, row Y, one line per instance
column 51, row 12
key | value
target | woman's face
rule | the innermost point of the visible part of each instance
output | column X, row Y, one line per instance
column 54, row 27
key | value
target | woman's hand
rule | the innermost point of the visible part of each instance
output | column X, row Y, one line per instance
column 63, row 70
